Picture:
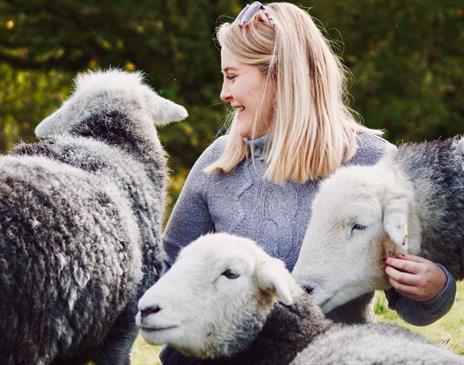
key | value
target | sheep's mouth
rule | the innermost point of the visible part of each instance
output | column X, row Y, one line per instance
column 156, row 329
column 325, row 304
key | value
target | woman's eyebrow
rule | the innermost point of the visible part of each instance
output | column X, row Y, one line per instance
column 227, row 69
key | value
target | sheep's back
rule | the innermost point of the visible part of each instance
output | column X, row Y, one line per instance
column 69, row 256
column 374, row 344
column 144, row 185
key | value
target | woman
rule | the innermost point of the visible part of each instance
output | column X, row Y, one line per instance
column 290, row 129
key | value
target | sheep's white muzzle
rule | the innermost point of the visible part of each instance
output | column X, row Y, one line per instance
column 326, row 304
column 153, row 322
column 315, row 289
column 322, row 299
column 155, row 329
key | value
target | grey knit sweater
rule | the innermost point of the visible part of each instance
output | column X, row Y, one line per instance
column 275, row 216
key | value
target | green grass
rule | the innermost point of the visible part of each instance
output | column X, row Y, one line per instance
column 448, row 331
column 144, row 353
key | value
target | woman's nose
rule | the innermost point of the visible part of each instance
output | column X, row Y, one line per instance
column 225, row 93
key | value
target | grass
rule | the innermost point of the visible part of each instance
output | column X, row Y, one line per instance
column 144, row 353
column 448, row 331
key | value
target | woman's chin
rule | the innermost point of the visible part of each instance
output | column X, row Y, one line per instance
column 248, row 134
column 243, row 130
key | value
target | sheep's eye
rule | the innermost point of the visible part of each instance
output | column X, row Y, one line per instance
column 358, row 227
column 229, row 274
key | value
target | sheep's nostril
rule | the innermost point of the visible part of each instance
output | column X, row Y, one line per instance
column 309, row 289
column 150, row 310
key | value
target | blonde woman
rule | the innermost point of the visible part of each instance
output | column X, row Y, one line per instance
column 290, row 129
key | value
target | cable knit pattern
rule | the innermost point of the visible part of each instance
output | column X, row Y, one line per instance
column 243, row 203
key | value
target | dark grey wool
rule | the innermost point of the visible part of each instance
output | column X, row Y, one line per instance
column 436, row 170
column 80, row 230
column 286, row 332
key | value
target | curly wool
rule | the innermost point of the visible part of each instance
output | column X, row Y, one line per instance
column 371, row 344
column 70, row 258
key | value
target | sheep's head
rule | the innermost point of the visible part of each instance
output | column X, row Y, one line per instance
column 359, row 215
column 108, row 91
column 216, row 297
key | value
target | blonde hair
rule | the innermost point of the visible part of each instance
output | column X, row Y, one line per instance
column 313, row 131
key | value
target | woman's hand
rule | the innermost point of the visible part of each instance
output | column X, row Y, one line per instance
column 414, row 277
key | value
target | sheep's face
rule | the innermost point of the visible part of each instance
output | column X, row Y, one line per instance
column 358, row 217
column 216, row 297
column 108, row 91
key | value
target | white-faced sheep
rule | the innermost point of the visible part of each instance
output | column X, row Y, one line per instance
column 412, row 201
column 80, row 224
column 219, row 301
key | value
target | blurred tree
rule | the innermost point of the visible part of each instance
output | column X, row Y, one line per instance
column 24, row 96
column 171, row 41
column 406, row 59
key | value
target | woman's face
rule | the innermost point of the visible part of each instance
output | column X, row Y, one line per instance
column 243, row 87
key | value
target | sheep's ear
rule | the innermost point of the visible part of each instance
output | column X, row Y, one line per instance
column 164, row 111
column 53, row 124
column 395, row 224
column 274, row 277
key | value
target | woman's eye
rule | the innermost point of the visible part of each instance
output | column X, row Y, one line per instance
column 358, row 227
column 231, row 77
column 229, row 274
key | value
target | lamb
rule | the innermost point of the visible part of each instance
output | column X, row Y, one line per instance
column 80, row 224
column 220, row 302
column 412, row 201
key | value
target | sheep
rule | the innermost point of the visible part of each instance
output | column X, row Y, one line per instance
column 80, row 224
column 412, row 201
column 226, row 301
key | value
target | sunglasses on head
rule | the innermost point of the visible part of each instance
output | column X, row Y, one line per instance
column 249, row 11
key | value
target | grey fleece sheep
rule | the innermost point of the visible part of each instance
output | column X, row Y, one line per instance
column 80, row 224
column 411, row 201
column 237, row 319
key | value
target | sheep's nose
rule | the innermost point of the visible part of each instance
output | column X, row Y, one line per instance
column 309, row 289
column 149, row 310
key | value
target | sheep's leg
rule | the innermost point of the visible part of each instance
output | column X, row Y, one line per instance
column 116, row 347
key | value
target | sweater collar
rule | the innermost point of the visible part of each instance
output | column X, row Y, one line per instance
column 258, row 145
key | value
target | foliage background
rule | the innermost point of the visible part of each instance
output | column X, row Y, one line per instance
column 406, row 60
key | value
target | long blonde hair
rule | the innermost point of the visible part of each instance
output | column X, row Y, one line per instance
column 313, row 131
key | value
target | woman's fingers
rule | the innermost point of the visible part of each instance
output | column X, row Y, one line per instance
column 413, row 258
column 414, row 277
column 408, row 291
column 404, row 264
column 401, row 276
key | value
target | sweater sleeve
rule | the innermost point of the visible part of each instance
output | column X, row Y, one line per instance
column 424, row 313
column 190, row 217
